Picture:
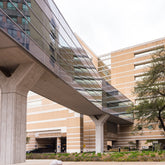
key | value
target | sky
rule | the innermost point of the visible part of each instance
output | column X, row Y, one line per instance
column 109, row 25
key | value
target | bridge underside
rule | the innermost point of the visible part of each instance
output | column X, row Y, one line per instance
column 21, row 72
column 49, row 85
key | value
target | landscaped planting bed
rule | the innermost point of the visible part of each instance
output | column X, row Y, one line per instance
column 110, row 156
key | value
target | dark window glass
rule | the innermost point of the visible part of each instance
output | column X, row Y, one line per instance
column 22, row 35
column 14, row 19
column 12, row 32
column 8, row 21
column 51, row 49
column 27, row 32
column 112, row 104
column 113, row 93
column 1, row 18
column 52, row 37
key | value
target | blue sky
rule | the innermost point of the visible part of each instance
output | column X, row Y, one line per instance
column 108, row 25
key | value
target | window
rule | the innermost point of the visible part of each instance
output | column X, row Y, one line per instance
column 51, row 49
column 29, row 4
column 112, row 104
column 52, row 24
column 14, row 19
column 11, row 6
column 1, row 5
column 52, row 37
column 27, row 32
column 28, row 18
column 146, row 53
column 25, row 7
column 113, row 93
column 1, row 18
column 143, row 66
column 23, row 35
column 24, row 21
column 52, row 27
column 12, row 32
column 8, row 21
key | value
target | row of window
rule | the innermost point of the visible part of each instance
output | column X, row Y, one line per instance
column 112, row 93
column 149, row 127
column 14, row 33
column 117, row 104
column 93, row 93
column 12, row 7
column 93, row 82
column 24, row 21
column 147, row 53
column 143, row 66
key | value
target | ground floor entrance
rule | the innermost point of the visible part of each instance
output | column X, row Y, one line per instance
column 53, row 144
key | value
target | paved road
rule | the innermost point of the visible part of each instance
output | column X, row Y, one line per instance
column 47, row 162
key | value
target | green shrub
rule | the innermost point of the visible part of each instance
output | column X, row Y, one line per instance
column 153, row 155
column 115, row 156
column 160, row 152
column 99, row 154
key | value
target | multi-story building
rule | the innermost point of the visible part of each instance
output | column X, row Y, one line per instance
column 122, row 68
column 128, row 66
column 44, row 56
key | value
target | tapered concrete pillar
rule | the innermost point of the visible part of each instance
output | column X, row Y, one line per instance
column 99, row 136
column 58, row 144
column 13, row 112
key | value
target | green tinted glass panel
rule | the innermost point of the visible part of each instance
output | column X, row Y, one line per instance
column 29, row 4
column 24, row 21
column 1, row 4
column 11, row 6
column 25, row 8
column 14, row 19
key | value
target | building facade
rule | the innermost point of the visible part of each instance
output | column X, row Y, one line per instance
column 128, row 66
column 39, row 27
column 122, row 68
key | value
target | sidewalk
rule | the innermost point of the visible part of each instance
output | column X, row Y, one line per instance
column 47, row 162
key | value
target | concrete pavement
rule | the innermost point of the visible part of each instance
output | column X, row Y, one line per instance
column 47, row 162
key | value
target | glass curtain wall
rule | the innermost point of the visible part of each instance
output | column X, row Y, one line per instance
column 42, row 30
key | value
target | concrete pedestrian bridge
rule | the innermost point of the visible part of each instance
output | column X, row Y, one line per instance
column 39, row 52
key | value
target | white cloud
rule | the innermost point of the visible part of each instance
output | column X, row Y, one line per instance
column 107, row 25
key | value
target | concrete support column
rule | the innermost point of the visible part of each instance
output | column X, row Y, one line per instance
column 99, row 136
column 58, row 144
column 13, row 112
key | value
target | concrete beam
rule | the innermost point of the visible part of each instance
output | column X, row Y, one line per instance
column 99, row 135
column 13, row 112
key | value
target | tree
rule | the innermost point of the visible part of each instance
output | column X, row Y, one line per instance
column 150, row 94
